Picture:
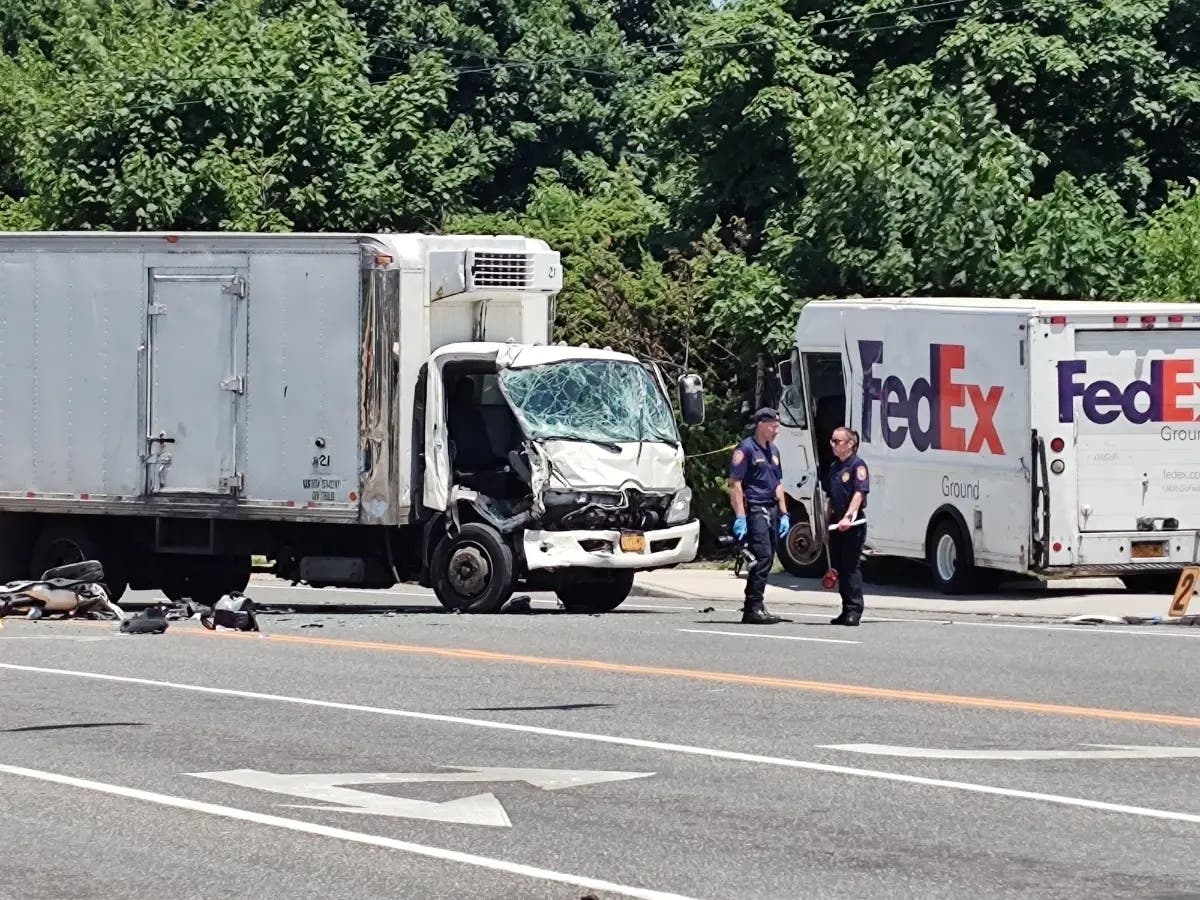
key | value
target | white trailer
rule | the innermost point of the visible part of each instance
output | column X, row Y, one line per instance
column 1040, row 438
column 361, row 409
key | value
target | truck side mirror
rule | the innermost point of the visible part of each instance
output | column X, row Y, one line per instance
column 691, row 399
column 785, row 372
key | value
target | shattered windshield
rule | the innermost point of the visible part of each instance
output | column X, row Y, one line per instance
column 603, row 401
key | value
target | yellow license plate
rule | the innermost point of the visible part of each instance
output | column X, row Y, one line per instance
column 1148, row 550
column 633, row 543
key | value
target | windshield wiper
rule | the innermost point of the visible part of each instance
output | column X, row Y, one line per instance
column 607, row 445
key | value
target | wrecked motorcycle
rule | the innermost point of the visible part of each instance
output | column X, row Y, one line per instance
column 73, row 590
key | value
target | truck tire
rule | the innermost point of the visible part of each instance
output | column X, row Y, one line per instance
column 950, row 558
column 801, row 553
column 472, row 572
column 60, row 544
column 596, row 592
column 206, row 586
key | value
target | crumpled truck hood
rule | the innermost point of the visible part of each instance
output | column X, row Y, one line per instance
column 587, row 466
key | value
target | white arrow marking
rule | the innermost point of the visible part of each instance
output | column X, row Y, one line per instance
column 1112, row 751
column 479, row 809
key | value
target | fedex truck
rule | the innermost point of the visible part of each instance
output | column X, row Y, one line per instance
column 360, row 409
column 1038, row 438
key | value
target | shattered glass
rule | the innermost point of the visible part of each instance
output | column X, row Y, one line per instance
column 603, row 401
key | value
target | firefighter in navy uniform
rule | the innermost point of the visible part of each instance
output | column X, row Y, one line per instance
column 849, row 484
column 759, row 508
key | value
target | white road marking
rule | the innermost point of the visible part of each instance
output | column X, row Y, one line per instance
column 635, row 742
column 1112, row 751
column 478, row 809
column 245, row 815
column 1167, row 630
column 778, row 637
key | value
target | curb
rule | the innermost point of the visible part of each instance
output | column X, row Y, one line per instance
column 674, row 594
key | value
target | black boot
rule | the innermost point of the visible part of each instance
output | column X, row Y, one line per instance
column 845, row 618
column 756, row 614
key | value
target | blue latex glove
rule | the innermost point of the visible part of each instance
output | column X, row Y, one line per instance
column 739, row 527
column 785, row 524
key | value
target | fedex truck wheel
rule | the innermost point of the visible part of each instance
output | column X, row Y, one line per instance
column 473, row 570
column 801, row 552
column 950, row 557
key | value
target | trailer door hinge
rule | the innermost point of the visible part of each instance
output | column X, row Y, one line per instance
column 237, row 384
column 237, row 287
column 235, row 483
column 158, row 309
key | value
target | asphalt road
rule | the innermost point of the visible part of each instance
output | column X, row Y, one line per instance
column 656, row 752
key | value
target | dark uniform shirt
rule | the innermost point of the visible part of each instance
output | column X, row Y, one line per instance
column 758, row 469
column 844, row 479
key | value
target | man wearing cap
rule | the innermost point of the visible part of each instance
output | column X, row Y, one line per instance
column 759, row 508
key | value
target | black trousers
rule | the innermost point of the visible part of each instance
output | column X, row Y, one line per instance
column 762, row 537
column 845, row 552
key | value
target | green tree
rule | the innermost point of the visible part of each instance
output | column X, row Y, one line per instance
column 1168, row 250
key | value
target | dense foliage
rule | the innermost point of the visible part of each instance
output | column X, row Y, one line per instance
column 705, row 167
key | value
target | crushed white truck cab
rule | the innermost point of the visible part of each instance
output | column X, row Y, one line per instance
column 361, row 409
column 1044, row 438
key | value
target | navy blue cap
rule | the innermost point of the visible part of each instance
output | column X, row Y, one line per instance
column 766, row 414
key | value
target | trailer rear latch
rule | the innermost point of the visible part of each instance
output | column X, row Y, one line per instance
column 237, row 385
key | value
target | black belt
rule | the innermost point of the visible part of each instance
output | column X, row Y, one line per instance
column 765, row 504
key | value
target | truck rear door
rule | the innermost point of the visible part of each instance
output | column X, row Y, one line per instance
column 1130, row 395
column 195, row 379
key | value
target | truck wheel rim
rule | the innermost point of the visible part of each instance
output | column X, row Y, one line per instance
column 470, row 570
column 801, row 546
column 947, row 557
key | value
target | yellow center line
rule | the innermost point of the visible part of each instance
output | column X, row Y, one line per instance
column 795, row 684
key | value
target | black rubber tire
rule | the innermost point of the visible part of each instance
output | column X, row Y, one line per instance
column 477, row 548
column 61, row 544
column 599, row 592
column 790, row 557
column 961, row 572
column 1152, row 582
column 207, row 587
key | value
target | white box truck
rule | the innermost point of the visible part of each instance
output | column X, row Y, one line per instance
column 1038, row 438
column 361, row 409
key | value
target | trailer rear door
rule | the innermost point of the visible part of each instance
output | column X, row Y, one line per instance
column 196, row 377
column 1131, row 397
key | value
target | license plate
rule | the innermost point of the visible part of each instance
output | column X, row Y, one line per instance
column 633, row 542
column 1148, row 550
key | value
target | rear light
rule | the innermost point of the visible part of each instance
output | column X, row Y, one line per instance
column 1056, row 546
column 1057, row 467
column 1057, row 445
column 1120, row 320
column 1058, row 320
column 1175, row 319
column 382, row 259
column 1148, row 321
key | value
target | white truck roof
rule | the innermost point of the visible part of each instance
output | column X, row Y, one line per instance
column 1033, row 306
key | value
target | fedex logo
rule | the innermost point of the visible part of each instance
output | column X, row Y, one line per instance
column 1103, row 401
column 900, row 404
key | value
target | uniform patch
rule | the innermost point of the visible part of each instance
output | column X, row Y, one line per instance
column 845, row 477
column 738, row 456
column 776, row 460
column 861, row 473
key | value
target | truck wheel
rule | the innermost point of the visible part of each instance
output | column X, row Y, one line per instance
column 61, row 545
column 950, row 558
column 598, row 592
column 800, row 553
column 206, row 587
column 473, row 570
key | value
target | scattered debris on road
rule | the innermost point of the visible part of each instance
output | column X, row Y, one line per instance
column 235, row 610
column 75, row 590
column 152, row 620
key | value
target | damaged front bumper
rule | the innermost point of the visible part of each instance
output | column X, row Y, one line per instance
column 602, row 549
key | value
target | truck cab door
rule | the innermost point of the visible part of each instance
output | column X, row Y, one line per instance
column 802, row 548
